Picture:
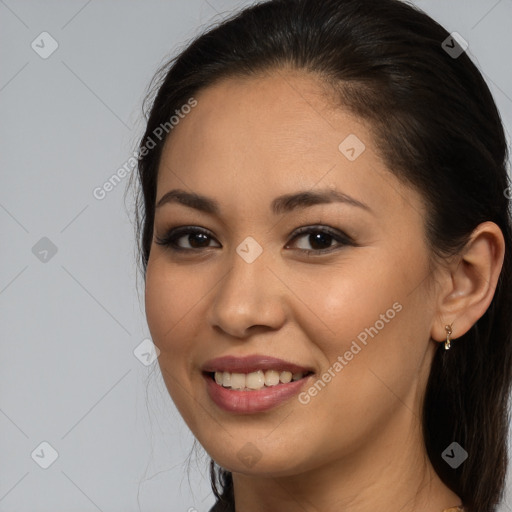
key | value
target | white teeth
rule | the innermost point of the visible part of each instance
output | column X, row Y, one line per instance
column 237, row 381
column 285, row 377
column 255, row 380
column 271, row 378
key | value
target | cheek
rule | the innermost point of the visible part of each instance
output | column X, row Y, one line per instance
column 169, row 311
column 347, row 305
column 170, row 297
column 158, row 298
column 370, row 320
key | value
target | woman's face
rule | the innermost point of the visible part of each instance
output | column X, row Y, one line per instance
column 358, row 315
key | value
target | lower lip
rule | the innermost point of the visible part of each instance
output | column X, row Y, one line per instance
column 260, row 400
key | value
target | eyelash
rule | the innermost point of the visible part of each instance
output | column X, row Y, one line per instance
column 170, row 238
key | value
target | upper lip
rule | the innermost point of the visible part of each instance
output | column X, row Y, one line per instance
column 252, row 363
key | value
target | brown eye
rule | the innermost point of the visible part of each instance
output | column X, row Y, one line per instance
column 320, row 239
column 196, row 238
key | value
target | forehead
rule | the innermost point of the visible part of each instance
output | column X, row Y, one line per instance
column 268, row 135
column 278, row 115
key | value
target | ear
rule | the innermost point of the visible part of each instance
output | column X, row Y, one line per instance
column 468, row 284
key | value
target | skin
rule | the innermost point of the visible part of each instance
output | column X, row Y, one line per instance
column 357, row 445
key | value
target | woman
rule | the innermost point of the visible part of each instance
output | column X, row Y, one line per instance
column 325, row 238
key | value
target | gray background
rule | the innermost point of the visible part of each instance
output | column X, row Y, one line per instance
column 70, row 321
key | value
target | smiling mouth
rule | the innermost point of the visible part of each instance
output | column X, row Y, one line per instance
column 254, row 381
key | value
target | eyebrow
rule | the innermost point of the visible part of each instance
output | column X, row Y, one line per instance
column 282, row 204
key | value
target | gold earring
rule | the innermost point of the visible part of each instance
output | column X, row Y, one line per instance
column 447, row 343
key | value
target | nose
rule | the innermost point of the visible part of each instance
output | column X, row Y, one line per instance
column 248, row 298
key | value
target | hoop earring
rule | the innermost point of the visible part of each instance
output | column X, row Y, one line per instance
column 447, row 343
